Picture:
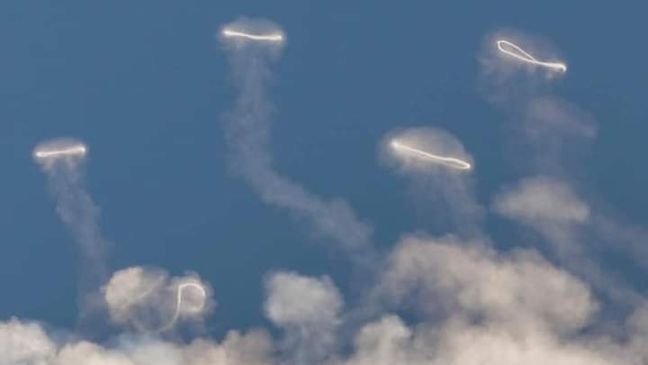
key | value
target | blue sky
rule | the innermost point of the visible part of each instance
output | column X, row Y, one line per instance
column 147, row 84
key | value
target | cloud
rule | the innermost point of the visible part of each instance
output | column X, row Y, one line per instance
column 550, row 207
column 308, row 310
column 567, row 225
column 542, row 202
column 477, row 305
column 504, row 308
column 24, row 343
column 445, row 277
column 29, row 344
column 390, row 341
column 384, row 342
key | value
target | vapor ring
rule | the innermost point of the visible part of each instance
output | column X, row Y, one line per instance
column 447, row 161
column 179, row 294
column 270, row 37
column 60, row 149
column 515, row 51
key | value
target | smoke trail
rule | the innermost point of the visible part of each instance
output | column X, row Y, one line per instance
column 62, row 161
column 252, row 45
column 552, row 135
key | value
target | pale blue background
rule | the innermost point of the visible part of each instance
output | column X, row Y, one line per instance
column 145, row 84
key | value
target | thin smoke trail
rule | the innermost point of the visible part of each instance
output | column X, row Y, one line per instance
column 554, row 132
column 62, row 161
column 252, row 45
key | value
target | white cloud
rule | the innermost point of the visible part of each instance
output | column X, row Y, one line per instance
column 497, row 309
column 541, row 201
column 384, row 342
column 29, row 344
column 308, row 310
column 24, row 343
column 91, row 354
column 299, row 300
column 446, row 276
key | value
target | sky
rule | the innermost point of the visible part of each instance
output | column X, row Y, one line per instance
column 262, row 175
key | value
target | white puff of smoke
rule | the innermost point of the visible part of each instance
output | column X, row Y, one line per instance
column 554, row 210
column 308, row 310
column 24, row 343
column 148, row 300
column 541, row 200
column 548, row 117
column 454, row 278
column 384, row 342
column 466, row 344
column 424, row 150
column 294, row 299
column 390, row 341
column 492, row 308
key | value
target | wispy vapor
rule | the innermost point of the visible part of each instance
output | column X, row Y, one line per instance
column 551, row 138
column 62, row 160
column 247, row 130
column 547, row 205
